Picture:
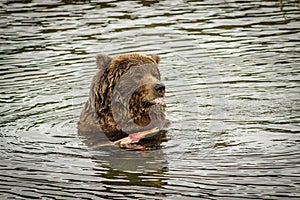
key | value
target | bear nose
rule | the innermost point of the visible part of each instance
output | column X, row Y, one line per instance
column 160, row 88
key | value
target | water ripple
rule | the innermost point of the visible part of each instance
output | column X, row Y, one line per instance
column 232, row 76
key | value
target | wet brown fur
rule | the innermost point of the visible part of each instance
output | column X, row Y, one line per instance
column 120, row 96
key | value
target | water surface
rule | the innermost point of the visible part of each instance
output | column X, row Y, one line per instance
column 232, row 74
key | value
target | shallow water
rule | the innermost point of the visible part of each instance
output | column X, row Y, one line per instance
column 232, row 74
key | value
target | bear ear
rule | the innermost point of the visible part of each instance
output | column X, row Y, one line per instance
column 102, row 60
column 155, row 57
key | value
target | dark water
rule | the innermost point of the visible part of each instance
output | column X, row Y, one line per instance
column 232, row 71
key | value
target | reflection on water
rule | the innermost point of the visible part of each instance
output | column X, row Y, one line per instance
column 232, row 74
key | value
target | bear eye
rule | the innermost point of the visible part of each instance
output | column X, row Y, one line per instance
column 138, row 76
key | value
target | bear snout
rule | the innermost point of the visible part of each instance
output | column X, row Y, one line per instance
column 160, row 89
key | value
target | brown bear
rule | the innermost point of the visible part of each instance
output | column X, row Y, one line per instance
column 126, row 97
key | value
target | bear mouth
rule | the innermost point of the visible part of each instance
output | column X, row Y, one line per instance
column 160, row 101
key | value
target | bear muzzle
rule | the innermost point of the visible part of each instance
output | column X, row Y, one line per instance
column 160, row 89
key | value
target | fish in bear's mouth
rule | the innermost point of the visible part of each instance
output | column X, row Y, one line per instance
column 160, row 101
